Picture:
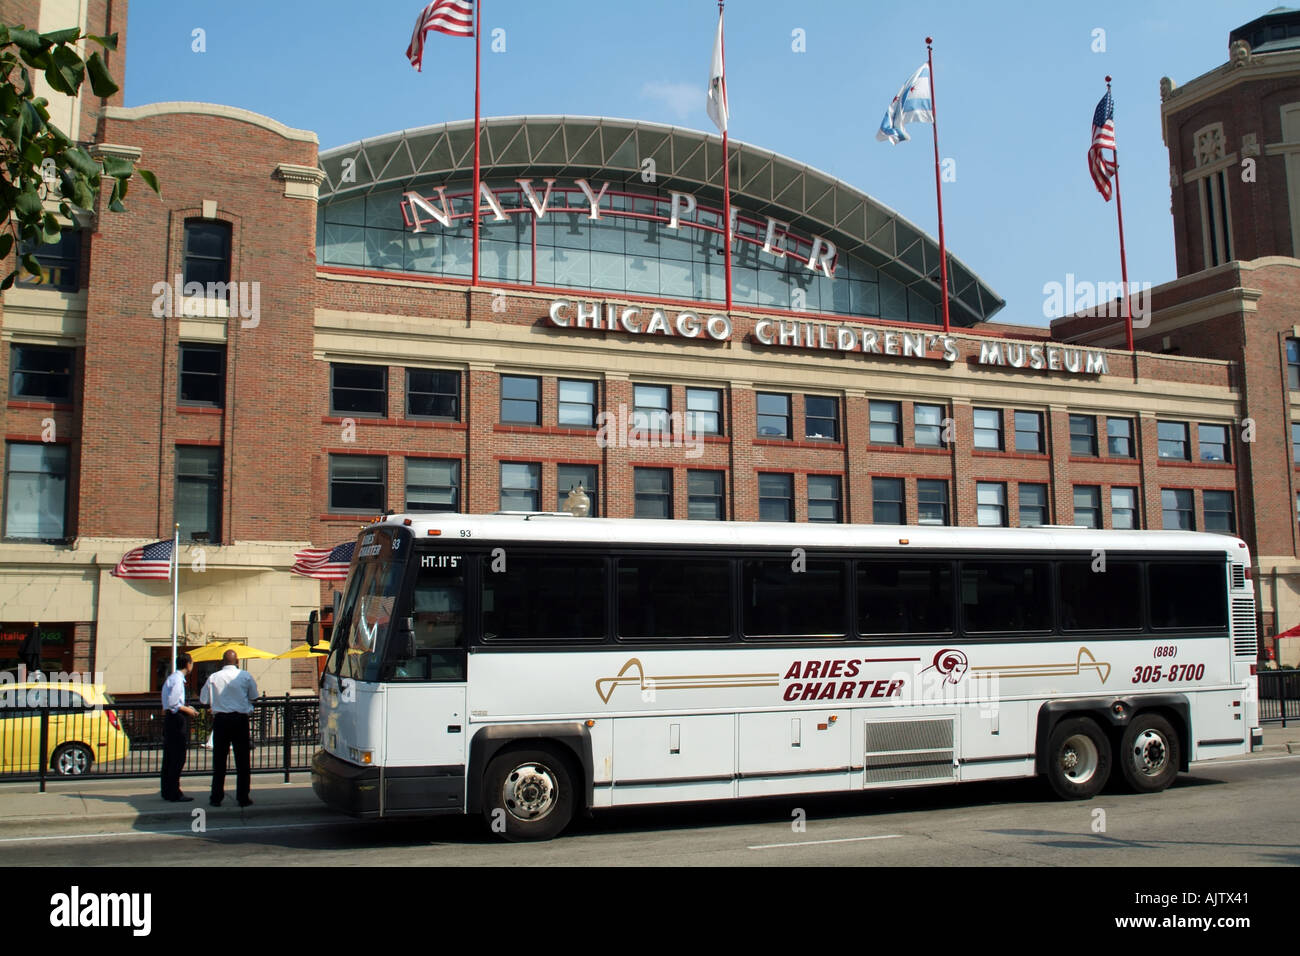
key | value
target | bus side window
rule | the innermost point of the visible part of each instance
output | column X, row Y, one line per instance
column 437, row 614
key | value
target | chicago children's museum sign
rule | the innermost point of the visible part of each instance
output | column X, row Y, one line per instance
column 774, row 239
column 826, row 336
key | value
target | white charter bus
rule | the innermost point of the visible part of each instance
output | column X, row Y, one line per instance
column 533, row 666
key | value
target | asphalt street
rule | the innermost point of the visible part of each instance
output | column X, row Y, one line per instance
column 1237, row 812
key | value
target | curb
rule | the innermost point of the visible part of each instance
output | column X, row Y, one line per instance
column 49, row 825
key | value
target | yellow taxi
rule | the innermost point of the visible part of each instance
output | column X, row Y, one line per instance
column 83, row 730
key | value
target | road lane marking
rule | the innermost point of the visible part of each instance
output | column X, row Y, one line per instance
column 185, row 832
column 773, row 846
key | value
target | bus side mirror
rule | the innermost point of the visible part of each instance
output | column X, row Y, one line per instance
column 338, row 599
column 313, row 637
column 405, row 639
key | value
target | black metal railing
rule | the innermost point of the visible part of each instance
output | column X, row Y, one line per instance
column 126, row 740
column 1279, row 695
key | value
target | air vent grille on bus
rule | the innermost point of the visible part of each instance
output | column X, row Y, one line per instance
column 1238, row 575
column 900, row 750
column 1243, row 628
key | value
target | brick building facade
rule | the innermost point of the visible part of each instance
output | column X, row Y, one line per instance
column 373, row 373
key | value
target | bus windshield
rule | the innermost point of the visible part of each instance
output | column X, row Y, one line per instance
column 366, row 614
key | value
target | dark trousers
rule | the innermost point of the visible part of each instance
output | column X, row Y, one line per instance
column 176, row 741
column 230, row 730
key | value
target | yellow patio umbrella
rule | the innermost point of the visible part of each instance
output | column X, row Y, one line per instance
column 302, row 651
column 214, row 652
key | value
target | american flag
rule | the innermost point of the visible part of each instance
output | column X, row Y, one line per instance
column 148, row 562
column 452, row 17
column 326, row 564
column 1103, row 137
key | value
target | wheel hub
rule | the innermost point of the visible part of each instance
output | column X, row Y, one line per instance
column 529, row 792
column 1079, row 759
column 1150, row 753
column 72, row 762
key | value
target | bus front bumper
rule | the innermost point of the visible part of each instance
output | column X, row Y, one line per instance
column 406, row 791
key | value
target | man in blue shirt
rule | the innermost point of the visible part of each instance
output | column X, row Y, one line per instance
column 176, row 730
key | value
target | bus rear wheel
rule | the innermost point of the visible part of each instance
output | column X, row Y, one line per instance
column 1149, row 755
column 528, row 794
column 1078, row 759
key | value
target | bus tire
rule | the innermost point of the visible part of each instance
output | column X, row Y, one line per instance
column 1078, row 759
column 1149, row 754
column 528, row 794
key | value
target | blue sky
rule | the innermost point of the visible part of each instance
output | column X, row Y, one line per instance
column 1016, row 84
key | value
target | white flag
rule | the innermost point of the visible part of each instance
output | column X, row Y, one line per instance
column 717, row 105
column 913, row 104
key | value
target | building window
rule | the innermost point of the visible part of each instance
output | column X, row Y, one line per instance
column 931, row 501
column 1173, row 439
column 432, row 484
column 773, row 415
column 1179, row 514
column 1083, row 436
column 1123, row 508
column 991, row 504
column 521, row 486
column 202, row 375
column 988, row 428
column 887, row 501
column 1029, row 432
column 1216, row 224
column 577, row 407
column 1033, row 505
column 704, row 491
column 1214, row 442
column 359, row 390
column 821, row 418
column 703, row 411
column 207, row 251
column 1087, row 505
column 358, row 483
column 36, row 491
column 653, row 404
column 824, row 498
column 39, row 373
column 775, row 497
column 1119, row 437
column 198, row 492
column 432, row 394
column 1219, row 513
column 60, row 262
column 521, row 400
column 927, row 425
column 568, row 477
column 1293, row 363
column 886, row 423
column 1295, row 442
column 654, row 492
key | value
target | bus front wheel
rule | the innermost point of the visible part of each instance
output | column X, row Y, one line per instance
column 1149, row 755
column 528, row 794
column 1078, row 759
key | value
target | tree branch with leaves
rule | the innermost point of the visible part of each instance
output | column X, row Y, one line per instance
column 35, row 154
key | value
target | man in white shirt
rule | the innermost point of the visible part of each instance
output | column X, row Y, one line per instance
column 176, row 730
column 231, row 694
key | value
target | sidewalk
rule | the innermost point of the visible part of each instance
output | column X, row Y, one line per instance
column 101, row 805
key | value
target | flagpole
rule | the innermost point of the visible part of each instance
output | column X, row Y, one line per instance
column 478, row 30
column 1123, row 258
column 938, row 188
column 726, row 171
column 176, row 586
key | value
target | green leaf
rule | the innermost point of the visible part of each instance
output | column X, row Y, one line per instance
column 80, row 161
column 6, row 243
column 25, row 39
column 67, row 35
column 117, row 167
column 108, row 43
column 150, row 180
column 83, row 194
column 101, row 81
column 116, row 206
column 32, row 266
column 9, row 281
column 28, row 203
column 67, row 66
